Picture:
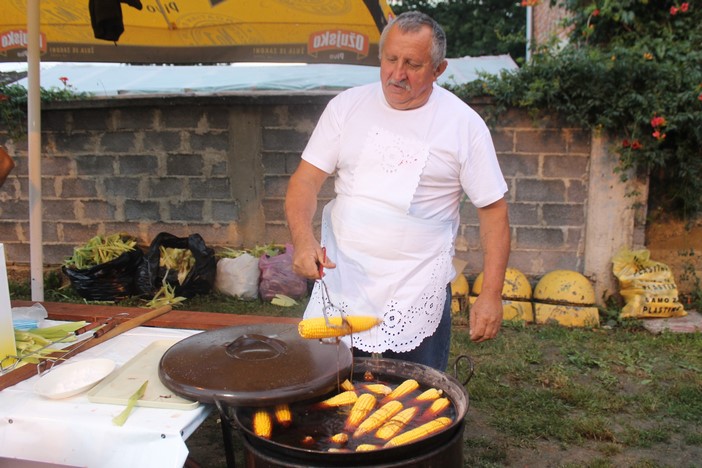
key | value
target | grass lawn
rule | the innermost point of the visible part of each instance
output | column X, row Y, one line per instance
column 543, row 395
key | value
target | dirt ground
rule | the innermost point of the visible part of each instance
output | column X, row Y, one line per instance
column 485, row 447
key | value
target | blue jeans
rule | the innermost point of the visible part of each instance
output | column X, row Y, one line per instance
column 434, row 350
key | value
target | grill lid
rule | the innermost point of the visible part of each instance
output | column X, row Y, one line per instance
column 254, row 365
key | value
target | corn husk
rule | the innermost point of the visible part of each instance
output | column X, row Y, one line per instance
column 99, row 250
column 121, row 418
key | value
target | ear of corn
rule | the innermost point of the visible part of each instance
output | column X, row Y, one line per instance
column 341, row 438
column 363, row 406
column 430, row 395
column 318, row 328
column 262, row 424
column 375, row 420
column 367, row 447
column 379, row 389
column 283, row 415
column 405, row 388
column 418, row 433
column 342, row 399
column 437, row 407
column 346, row 385
column 396, row 423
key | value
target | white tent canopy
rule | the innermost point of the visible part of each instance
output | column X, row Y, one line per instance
column 113, row 79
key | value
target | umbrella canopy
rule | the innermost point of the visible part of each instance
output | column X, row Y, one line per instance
column 199, row 31
column 175, row 32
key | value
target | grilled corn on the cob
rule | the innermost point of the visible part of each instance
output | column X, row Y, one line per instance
column 262, row 424
column 342, row 399
column 341, row 438
column 363, row 406
column 405, row 388
column 283, row 415
column 375, row 420
column 380, row 389
column 367, row 447
column 318, row 328
column 437, row 407
column 429, row 395
column 396, row 423
column 419, row 432
column 347, row 385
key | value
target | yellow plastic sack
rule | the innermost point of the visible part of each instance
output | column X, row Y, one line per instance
column 647, row 286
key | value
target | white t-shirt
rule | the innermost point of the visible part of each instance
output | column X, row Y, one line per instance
column 400, row 176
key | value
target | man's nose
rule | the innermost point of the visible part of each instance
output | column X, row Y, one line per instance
column 399, row 71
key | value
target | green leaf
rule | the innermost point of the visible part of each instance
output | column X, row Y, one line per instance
column 283, row 301
column 121, row 418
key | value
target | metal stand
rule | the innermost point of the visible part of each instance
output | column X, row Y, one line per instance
column 226, row 433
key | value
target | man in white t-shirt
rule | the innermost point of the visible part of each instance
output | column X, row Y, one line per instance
column 404, row 151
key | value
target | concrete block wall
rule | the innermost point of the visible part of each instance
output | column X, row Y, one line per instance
column 219, row 165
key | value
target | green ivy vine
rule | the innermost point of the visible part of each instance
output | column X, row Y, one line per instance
column 13, row 105
column 633, row 69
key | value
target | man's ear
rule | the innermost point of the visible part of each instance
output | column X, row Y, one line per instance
column 440, row 69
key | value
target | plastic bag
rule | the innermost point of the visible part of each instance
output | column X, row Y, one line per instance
column 647, row 286
column 238, row 276
column 200, row 278
column 109, row 281
column 277, row 276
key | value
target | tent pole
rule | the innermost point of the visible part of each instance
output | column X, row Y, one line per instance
column 34, row 151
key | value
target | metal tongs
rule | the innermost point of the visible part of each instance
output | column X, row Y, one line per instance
column 328, row 306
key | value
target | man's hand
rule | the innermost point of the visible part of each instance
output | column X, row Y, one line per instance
column 485, row 317
column 307, row 259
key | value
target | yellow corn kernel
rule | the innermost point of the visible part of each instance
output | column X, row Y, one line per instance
column 379, row 389
column 379, row 417
column 283, row 415
column 317, row 327
column 437, row 407
column 367, row 447
column 396, row 423
column 262, row 424
column 342, row 399
column 363, row 406
column 341, row 438
column 346, row 385
column 420, row 432
column 429, row 395
column 406, row 387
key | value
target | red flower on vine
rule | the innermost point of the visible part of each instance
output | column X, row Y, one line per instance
column 5, row 97
column 596, row 12
column 530, row 3
column 699, row 97
column 635, row 145
column 658, row 135
column 674, row 10
column 684, row 7
column 658, row 122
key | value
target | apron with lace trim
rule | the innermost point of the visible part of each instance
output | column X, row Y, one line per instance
column 389, row 264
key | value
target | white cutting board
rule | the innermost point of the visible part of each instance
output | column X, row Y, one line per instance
column 123, row 382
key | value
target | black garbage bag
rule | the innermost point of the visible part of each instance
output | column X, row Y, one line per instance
column 200, row 278
column 109, row 281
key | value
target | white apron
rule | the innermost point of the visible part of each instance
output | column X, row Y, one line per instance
column 389, row 264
